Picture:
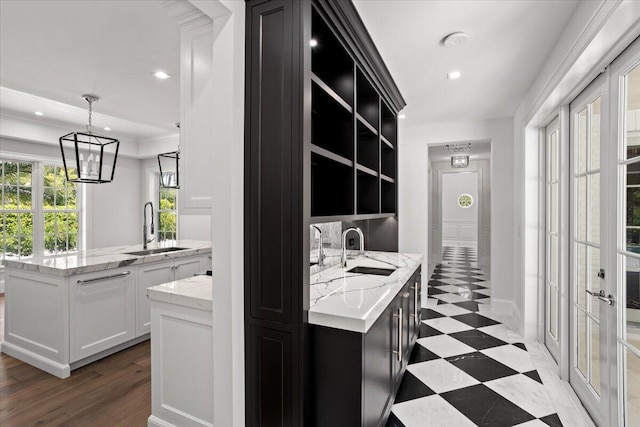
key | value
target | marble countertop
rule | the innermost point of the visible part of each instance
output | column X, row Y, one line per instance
column 353, row 301
column 107, row 258
column 194, row 292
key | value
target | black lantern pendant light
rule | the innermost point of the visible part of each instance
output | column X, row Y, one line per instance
column 170, row 176
column 94, row 155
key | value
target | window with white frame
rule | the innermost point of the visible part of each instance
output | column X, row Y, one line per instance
column 61, row 212
column 40, row 213
column 167, row 213
column 16, row 211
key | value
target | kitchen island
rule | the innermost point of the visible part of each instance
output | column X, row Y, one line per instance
column 363, row 322
column 182, row 353
column 64, row 312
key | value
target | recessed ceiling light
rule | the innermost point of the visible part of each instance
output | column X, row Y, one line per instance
column 401, row 116
column 313, row 42
column 39, row 113
column 454, row 75
column 454, row 39
column 162, row 75
column 107, row 128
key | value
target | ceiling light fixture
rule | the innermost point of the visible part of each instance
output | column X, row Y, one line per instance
column 162, row 75
column 457, row 148
column 455, row 39
column 107, row 128
column 313, row 42
column 99, row 151
column 454, row 75
column 459, row 161
column 38, row 113
column 169, row 166
column 402, row 116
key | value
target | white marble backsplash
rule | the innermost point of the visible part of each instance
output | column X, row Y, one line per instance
column 353, row 301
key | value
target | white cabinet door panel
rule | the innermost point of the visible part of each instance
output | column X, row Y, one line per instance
column 102, row 312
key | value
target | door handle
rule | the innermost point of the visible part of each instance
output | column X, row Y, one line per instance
column 609, row 299
column 398, row 352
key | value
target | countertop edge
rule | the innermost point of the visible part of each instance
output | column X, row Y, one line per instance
column 118, row 259
column 362, row 325
column 193, row 292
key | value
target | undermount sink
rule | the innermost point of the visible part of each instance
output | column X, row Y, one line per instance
column 371, row 270
column 155, row 251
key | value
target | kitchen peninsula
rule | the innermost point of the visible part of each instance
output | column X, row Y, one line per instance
column 64, row 312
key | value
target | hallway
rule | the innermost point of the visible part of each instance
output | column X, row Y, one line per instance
column 468, row 366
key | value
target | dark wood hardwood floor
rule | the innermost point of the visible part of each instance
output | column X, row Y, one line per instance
column 114, row 391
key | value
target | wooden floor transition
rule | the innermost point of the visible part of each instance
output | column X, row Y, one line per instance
column 114, row 391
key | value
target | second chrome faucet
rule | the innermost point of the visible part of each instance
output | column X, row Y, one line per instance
column 343, row 259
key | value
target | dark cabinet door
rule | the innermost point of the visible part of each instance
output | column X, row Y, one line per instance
column 378, row 375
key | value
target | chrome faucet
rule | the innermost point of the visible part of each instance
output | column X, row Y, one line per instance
column 343, row 261
column 146, row 240
column 320, row 244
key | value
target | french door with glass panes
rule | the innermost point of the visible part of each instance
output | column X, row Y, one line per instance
column 625, row 153
column 605, row 243
column 552, row 290
column 592, row 321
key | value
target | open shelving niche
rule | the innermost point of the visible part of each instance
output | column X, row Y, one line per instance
column 353, row 136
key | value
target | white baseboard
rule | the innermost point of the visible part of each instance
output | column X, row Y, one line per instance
column 154, row 421
column 54, row 368
column 517, row 318
column 502, row 307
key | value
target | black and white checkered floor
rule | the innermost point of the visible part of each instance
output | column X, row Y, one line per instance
column 464, row 370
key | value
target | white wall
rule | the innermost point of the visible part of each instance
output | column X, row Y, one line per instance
column 413, row 194
column 454, row 185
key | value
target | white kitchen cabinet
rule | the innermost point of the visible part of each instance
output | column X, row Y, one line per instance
column 102, row 311
column 156, row 274
column 181, row 354
column 64, row 312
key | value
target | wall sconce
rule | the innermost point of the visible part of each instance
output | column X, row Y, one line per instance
column 459, row 161
column 93, row 169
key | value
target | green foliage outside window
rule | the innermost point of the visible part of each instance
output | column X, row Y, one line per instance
column 465, row 200
column 16, row 222
column 61, row 214
column 168, row 218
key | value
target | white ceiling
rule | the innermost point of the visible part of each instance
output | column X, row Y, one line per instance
column 52, row 52
column 508, row 43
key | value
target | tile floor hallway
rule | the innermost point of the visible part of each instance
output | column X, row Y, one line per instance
column 466, row 369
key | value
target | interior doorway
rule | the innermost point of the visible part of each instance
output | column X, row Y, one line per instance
column 460, row 210
column 460, row 202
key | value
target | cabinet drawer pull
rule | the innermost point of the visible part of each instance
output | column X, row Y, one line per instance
column 95, row 279
column 398, row 352
column 416, row 291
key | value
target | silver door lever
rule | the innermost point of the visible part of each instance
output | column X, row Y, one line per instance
column 609, row 299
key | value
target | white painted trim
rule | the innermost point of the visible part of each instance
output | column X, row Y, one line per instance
column 154, row 421
column 517, row 318
column 503, row 307
column 54, row 368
